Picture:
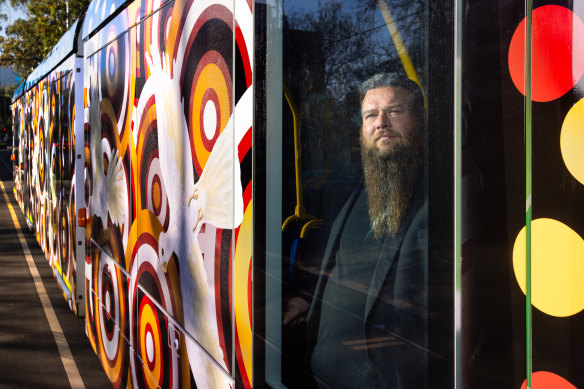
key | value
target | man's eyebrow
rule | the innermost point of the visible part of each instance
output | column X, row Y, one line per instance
column 398, row 105
column 391, row 106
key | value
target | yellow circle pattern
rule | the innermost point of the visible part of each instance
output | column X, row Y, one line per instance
column 557, row 267
column 572, row 141
column 148, row 316
column 210, row 78
column 243, row 253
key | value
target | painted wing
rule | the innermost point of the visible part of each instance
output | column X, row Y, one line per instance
column 173, row 138
column 117, row 193
column 221, row 182
column 201, row 323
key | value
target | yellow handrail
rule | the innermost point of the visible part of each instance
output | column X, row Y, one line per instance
column 400, row 46
column 299, row 212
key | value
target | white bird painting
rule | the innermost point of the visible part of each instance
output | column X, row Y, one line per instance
column 109, row 195
column 216, row 198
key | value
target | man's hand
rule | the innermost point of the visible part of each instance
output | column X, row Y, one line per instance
column 296, row 311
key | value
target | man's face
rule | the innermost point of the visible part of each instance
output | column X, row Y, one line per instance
column 387, row 120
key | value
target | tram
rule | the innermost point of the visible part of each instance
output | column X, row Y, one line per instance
column 184, row 165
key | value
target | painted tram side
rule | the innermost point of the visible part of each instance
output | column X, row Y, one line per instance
column 130, row 139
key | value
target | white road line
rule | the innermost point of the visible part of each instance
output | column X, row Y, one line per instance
column 66, row 357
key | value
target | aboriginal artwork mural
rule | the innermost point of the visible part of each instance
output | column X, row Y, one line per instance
column 168, row 147
column 44, row 170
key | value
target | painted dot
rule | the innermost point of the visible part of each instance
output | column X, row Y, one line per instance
column 149, row 347
column 107, row 301
column 557, row 53
column 210, row 119
column 111, row 63
column 156, row 195
column 547, row 380
column 572, row 141
column 557, row 267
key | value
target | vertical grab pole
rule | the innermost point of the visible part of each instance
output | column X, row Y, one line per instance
column 528, row 191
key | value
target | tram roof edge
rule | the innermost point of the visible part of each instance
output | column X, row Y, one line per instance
column 99, row 12
column 66, row 46
column 19, row 91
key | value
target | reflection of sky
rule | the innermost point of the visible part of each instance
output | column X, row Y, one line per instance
column 12, row 13
column 300, row 5
column 350, row 7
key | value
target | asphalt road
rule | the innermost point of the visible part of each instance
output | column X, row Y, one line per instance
column 29, row 355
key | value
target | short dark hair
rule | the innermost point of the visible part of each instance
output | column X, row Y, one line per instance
column 394, row 80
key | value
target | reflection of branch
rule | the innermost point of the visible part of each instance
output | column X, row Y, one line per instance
column 397, row 41
column 353, row 43
column 372, row 29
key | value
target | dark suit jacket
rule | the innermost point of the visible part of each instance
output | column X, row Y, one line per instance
column 396, row 309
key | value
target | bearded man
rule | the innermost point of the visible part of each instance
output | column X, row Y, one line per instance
column 367, row 321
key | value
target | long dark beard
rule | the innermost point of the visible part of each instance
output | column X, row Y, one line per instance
column 391, row 182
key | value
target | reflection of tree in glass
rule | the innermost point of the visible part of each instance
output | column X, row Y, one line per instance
column 356, row 42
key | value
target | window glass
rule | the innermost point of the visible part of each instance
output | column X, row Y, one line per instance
column 344, row 296
column 518, row 163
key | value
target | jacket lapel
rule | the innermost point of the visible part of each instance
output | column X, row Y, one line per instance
column 388, row 254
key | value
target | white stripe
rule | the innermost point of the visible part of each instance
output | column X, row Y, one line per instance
column 66, row 357
column 528, row 203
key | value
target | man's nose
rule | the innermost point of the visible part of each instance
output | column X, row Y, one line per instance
column 382, row 120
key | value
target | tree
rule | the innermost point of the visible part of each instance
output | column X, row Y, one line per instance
column 3, row 18
column 355, row 43
column 28, row 41
column 6, row 93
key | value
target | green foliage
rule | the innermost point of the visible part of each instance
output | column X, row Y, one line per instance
column 29, row 40
column 6, row 93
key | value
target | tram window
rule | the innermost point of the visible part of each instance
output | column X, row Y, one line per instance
column 349, row 271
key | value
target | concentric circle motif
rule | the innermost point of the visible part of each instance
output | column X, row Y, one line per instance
column 111, row 313
column 63, row 244
column 158, row 363
column 72, row 233
column 90, row 300
column 55, row 210
column 116, row 74
column 152, row 191
column 207, row 78
column 40, row 157
column 156, row 198
column 54, row 252
column 150, row 342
